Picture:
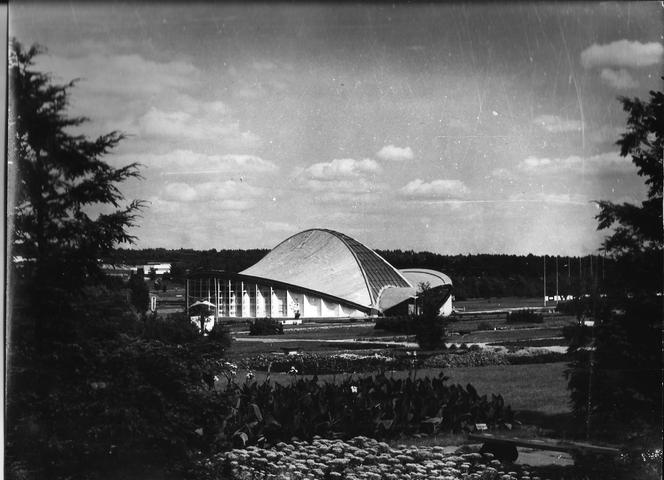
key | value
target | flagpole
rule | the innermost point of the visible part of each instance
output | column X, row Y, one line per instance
column 545, row 280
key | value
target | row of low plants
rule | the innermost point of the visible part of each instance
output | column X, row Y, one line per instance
column 320, row 364
column 359, row 458
column 376, row 406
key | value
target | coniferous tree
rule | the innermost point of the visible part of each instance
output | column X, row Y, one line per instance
column 59, row 177
column 91, row 391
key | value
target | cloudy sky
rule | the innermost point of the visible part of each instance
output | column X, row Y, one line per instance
column 462, row 128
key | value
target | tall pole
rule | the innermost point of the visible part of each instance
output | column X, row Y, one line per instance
column 557, row 297
column 580, row 277
column 545, row 280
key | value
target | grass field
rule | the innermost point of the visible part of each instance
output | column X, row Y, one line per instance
column 500, row 302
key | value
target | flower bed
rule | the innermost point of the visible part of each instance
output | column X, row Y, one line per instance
column 466, row 359
column 365, row 362
column 360, row 458
column 320, row 364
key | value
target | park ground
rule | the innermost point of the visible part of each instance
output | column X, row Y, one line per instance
column 536, row 392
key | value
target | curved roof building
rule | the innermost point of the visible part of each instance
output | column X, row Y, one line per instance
column 330, row 262
column 315, row 273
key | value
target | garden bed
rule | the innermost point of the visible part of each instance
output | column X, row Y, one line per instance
column 355, row 459
column 364, row 360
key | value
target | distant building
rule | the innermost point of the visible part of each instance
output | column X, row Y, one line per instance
column 125, row 271
column 118, row 270
column 313, row 274
column 158, row 267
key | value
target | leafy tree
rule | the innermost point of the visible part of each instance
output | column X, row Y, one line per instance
column 429, row 325
column 139, row 294
column 637, row 237
column 615, row 375
column 59, row 177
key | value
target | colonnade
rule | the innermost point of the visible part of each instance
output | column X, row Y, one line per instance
column 237, row 298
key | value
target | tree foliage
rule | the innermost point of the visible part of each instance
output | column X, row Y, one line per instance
column 91, row 391
column 637, row 229
column 59, row 178
column 615, row 375
column 139, row 294
column 429, row 325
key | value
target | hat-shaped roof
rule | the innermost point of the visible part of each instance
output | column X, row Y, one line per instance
column 330, row 262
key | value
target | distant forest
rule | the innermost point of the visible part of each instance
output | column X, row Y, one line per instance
column 474, row 276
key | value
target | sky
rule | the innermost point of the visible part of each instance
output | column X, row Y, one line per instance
column 454, row 128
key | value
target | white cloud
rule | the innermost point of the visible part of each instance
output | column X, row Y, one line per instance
column 622, row 53
column 392, row 152
column 620, row 79
column 181, row 125
column 554, row 198
column 556, row 124
column 609, row 162
column 147, row 98
column 342, row 168
column 436, row 189
column 121, row 74
column 532, row 163
column 348, row 185
column 228, row 195
column 182, row 162
column 503, row 174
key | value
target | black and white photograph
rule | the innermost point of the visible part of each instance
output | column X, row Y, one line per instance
column 333, row 240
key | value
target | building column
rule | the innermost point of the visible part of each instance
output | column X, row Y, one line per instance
column 186, row 296
column 216, row 294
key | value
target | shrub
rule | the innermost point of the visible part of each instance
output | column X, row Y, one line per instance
column 221, row 336
column 403, row 324
column 623, row 369
column 470, row 359
column 266, row 326
column 109, row 400
column 524, row 316
column 174, row 328
column 429, row 325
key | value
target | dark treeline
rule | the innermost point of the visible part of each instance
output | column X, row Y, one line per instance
column 474, row 276
column 184, row 259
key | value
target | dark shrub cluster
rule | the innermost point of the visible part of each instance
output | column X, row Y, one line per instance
column 266, row 326
column 524, row 316
column 621, row 359
column 403, row 324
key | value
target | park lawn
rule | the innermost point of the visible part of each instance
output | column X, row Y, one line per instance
column 494, row 336
column 475, row 304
